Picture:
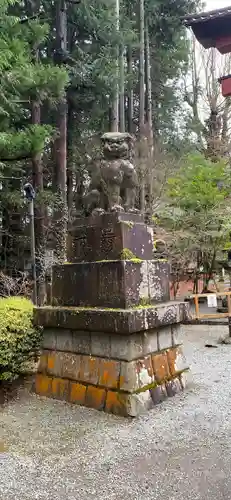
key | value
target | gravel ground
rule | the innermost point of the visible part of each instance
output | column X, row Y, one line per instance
column 180, row 450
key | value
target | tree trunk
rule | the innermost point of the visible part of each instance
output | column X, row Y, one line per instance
column 148, row 85
column 148, row 91
column 142, row 108
column 60, row 177
column 130, row 100
column 209, row 274
column 39, row 211
column 114, row 124
column 70, row 187
column 32, row 8
column 142, row 71
column 60, row 216
column 121, row 86
column 122, row 93
column 130, row 90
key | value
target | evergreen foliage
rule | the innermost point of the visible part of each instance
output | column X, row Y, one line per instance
column 19, row 340
column 36, row 77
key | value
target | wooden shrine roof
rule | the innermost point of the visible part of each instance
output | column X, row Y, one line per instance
column 208, row 27
column 207, row 16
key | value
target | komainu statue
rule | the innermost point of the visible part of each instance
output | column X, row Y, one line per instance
column 113, row 179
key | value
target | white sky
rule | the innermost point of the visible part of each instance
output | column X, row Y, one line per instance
column 216, row 4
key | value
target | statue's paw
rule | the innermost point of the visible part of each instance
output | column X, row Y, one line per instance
column 117, row 208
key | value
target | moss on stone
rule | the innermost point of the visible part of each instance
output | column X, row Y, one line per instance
column 128, row 223
column 105, row 260
column 145, row 301
column 116, row 260
column 126, row 254
column 155, row 384
column 155, row 242
column 77, row 310
column 144, row 306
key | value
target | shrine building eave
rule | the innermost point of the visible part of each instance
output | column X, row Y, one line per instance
column 210, row 27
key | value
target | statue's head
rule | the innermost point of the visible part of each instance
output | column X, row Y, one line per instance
column 116, row 144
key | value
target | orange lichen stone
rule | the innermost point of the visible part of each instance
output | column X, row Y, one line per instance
column 43, row 385
column 176, row 361
column 77, row 393
column 95, row 397
column 59, row 388
column 109, row 371
column 89, row 370
column 116, row 403
column 160, row 366
column 50, row 361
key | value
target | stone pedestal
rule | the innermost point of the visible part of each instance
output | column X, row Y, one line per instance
column 111, row 337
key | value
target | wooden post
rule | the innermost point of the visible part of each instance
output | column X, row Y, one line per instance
column 229, row 312
column 32, row 243
column 197, row 307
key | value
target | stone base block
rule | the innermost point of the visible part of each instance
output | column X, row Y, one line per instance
column 126, row 376
column 121, row 387
column 117, row 284
column 105, row 237
column 110, row 401
column 123, row 321
column 133, row 360
column 111, row 345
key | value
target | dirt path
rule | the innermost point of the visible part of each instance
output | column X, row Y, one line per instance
column 179, row 451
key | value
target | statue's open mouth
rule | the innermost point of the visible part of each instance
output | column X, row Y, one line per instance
column 115, row 147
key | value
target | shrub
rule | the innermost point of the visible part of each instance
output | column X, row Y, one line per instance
column 19, row 340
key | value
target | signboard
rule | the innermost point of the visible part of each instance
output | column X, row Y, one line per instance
column 212, row 300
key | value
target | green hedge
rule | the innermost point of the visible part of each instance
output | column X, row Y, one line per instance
column 19, row 340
